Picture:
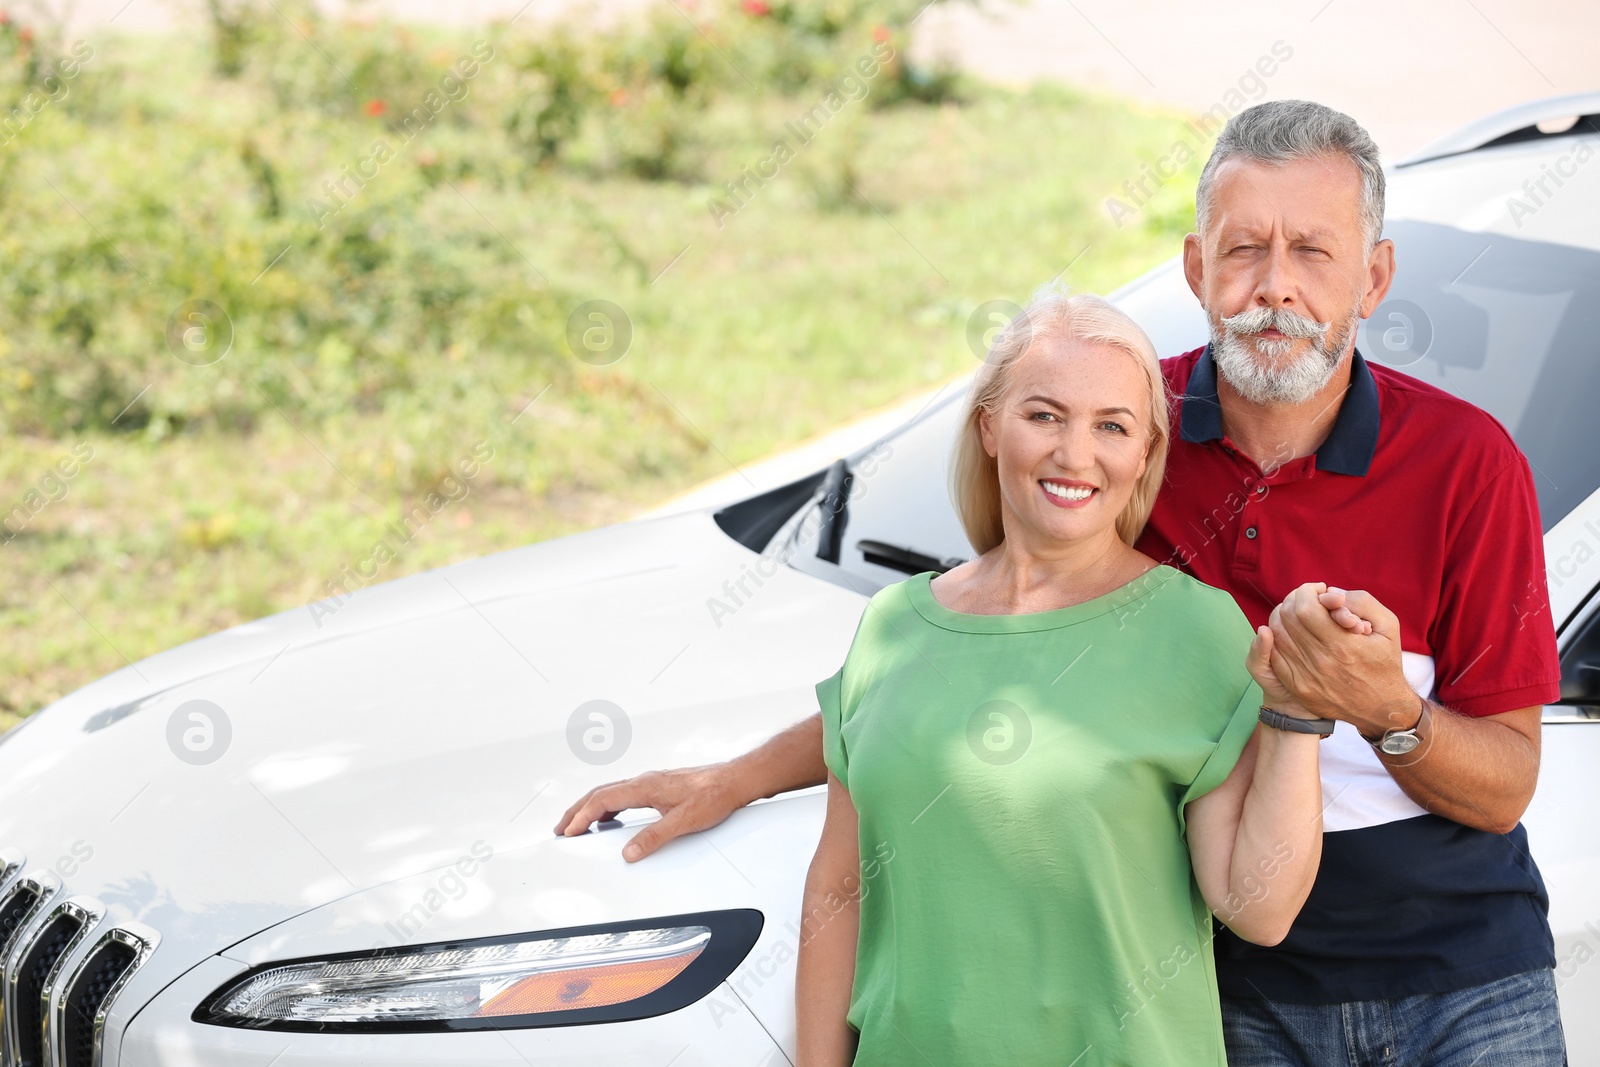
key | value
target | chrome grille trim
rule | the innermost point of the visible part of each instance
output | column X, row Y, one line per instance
column 88, row 914
column 11, row 863
column 142, row 941
column 45, row 886
column 82, row 912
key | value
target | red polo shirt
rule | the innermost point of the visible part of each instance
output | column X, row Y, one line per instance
column 1416, row 496
column 1424, row 501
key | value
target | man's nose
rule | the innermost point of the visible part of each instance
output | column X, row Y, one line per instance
column 1276, row 282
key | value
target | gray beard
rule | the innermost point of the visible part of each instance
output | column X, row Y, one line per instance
column 1255, row 367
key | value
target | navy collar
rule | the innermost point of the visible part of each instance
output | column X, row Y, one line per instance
column 1350, row 444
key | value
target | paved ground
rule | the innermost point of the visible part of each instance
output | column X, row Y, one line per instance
column 1409, row 70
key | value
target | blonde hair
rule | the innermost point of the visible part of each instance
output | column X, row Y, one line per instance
column 975, row 475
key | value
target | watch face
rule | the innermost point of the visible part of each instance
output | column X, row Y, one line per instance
column 1400, row 744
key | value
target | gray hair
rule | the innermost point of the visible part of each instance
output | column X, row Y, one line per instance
column 1282, row 131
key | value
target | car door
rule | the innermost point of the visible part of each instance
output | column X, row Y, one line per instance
column 1563, row 830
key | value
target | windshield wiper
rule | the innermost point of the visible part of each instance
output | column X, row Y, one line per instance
column 835, row 504
column 904, row 559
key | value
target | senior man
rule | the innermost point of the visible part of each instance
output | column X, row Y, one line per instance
column 1425, row 939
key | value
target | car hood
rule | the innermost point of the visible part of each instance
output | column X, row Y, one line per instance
column 420, row 722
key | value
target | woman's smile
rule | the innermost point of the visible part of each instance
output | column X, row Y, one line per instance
column 1066, row 493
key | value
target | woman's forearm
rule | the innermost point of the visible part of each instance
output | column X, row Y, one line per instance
column 829, row 925
column 1278, row 844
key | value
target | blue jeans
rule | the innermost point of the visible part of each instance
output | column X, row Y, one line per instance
column 1513, row 1022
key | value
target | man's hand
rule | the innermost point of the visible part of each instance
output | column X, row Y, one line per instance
column 697, row 798
column 690, row 799
column 1259, row 659
column 1334, row 669
column 1479, row 771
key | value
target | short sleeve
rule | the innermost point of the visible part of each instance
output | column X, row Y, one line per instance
column 1494, row 641
column 1235, row 735
column 830, row 698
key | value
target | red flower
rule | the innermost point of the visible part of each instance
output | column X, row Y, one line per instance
column 757, row 8
column 376, row 108
column 618, row 97
column 880, row 33
column 5, row 17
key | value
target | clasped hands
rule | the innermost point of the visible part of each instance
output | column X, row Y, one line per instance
column 1331, row 653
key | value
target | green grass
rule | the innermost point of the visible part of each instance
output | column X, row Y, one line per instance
column 238, row 489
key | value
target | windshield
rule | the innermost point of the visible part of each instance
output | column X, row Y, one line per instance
column 1512, row 326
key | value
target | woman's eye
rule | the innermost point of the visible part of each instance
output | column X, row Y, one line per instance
column 1115, row 426
column 1042, row 415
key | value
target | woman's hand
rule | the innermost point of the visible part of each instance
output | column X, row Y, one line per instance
column 1259, row 663
column 1333, row 599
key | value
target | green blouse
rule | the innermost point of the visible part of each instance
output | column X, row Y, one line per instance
column 1021, row 780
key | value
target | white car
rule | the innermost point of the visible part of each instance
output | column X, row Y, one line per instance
column 325, row 837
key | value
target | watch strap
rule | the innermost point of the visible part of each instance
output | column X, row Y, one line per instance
column 1279, row 721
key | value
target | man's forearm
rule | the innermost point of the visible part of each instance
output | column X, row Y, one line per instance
column 1479, row 772
column 790, row 760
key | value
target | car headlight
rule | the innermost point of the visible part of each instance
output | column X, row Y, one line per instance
column 590, row 974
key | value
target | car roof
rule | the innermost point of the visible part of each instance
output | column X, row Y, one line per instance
column 1535, row 120
column 1505, row 175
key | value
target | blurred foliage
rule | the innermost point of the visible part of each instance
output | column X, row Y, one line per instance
column 336, row 296
column 397, row 226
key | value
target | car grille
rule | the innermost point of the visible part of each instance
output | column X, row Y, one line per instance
column 90, row 992
column 38, row 962
column 18, row 903
column 53, row 1010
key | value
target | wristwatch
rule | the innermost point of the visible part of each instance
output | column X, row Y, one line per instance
column 1279, row 721
column 1400, row 742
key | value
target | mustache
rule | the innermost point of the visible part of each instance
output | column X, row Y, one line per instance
column 1283, row 320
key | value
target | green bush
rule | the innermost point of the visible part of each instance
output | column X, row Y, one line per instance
column 558, row 84
column 312, row 199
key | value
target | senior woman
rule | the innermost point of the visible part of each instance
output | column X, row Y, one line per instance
column 1045, row 767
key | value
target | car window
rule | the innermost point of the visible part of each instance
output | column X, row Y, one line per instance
column 1512, row 326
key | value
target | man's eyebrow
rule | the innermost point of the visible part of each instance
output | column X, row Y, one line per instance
column 1245, row 235
column 1317, row 236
